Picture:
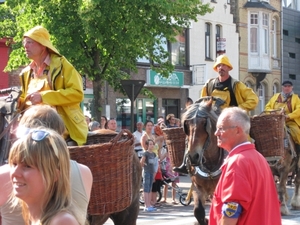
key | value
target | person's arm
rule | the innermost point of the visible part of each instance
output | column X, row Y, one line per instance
column 5, row 185
column 68, row 84
column 143, row 141
column 142, row 161
column 246, row 97
column 270, row 105
column 228, row 221
column 296, row 108
column 87, row 178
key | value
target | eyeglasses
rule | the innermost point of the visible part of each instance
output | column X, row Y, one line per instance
column 223, row 129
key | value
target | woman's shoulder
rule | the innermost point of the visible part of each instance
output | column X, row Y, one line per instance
column 63, row 218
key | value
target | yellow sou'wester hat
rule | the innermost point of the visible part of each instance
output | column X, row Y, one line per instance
column 224, row 60
column 42, row 36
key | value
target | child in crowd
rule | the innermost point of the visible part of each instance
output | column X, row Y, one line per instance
column 168, row 175
column 148, row 162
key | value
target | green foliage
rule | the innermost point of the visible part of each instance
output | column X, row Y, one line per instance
column 101, row 38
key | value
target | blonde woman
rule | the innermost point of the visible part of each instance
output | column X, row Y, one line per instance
column 81, row 176
column 40, row 174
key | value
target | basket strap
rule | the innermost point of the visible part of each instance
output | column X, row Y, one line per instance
column 119, row 136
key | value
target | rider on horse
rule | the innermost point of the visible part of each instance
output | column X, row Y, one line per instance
column 50, row 79
column 289, row 103
column 232, row 91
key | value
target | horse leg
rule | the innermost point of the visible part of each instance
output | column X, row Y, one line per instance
column 97, row 219
column 199, row 210
column 129, row 215
column 284, row 168
column 295, row 201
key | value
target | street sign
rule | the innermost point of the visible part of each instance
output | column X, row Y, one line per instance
column 132, row 87
column 221, row 45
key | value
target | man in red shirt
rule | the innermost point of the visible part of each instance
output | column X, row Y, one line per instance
column 246, row 192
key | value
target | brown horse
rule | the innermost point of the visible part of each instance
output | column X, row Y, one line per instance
column 289, row 163
column 129, row 215
column 204, row 156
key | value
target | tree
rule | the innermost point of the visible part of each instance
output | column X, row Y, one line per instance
column 102, row 38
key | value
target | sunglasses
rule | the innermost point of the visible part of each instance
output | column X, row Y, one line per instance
column 40, row 135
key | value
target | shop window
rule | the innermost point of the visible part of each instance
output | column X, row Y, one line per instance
column 171, row 106
column 144, row 109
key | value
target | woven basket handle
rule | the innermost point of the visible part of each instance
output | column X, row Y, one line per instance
column 273, row 111
column 119, row 136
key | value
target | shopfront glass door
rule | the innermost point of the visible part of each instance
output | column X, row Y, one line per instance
column 144, row 109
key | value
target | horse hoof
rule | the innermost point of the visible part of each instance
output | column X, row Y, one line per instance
column 284, row 210
column 295, row 202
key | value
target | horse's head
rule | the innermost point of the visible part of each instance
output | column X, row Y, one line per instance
column 199, row 122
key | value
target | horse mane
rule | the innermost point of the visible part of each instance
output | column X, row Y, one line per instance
column 202, row 109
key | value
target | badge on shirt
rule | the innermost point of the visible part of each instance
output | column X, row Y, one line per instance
column 231, row 209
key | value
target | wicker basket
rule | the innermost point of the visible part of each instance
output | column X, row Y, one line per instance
column 175, row 140
column 268, row 133
column 111, row 166
column 99, row 137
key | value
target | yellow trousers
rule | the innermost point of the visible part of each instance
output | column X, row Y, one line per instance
column 295, row 131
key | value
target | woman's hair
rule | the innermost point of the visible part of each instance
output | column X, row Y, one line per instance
column 42, row 115
column 105, row 125
column 149, row 121
column 47, row 151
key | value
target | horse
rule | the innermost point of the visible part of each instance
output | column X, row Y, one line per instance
column 289, row 163
column 204, row 157
column 129, row 215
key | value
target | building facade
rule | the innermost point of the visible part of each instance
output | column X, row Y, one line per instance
column 193, row 56
column 291, row 43
column 213, row 34
column 260, row 65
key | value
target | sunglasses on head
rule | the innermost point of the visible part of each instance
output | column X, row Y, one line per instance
column 40, row 135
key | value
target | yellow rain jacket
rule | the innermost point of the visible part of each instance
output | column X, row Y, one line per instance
column 293, row 111
column 245, row 97
column 66, row 95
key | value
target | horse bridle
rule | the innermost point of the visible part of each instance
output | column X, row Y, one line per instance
column 200, row 169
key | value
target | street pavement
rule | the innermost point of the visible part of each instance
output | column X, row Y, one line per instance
column 169, row 214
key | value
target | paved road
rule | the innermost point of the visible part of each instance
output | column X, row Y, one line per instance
column 169, row 214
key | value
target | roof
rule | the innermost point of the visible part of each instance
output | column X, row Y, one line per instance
column 263, row 5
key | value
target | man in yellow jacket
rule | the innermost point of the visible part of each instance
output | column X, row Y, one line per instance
column 289, row 103
column 50, row 79
column 232, row 91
